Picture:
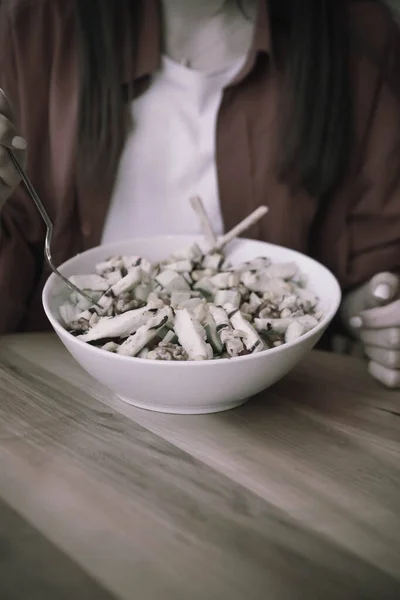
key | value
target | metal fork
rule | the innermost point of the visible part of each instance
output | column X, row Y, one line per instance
column 49, row 226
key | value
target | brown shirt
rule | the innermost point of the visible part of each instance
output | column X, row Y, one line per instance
column 356, row 233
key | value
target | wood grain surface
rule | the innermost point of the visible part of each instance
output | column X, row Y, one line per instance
column 295, row 495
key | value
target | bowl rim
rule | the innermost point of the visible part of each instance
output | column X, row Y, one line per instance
column 61, row 331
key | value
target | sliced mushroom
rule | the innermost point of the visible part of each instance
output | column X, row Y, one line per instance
column 192, row 336
column 120, row 326
column 127, row 283
column 145, row 333
column 252, row 340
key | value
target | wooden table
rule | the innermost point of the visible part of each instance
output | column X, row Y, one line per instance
column 294, row 496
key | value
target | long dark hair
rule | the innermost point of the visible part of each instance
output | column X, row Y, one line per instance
column 105, row 29
column 316, row 116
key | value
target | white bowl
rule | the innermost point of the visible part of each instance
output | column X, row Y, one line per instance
column 190, row 387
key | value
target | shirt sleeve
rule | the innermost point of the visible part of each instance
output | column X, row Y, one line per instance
column 21, row 229
column 359, row 232
column 21, row 260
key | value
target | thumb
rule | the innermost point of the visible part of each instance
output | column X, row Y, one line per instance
column 379, row 290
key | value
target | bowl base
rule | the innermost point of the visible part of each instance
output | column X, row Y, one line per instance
column 188, row 410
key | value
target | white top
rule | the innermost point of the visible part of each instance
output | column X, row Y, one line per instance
column 169, row 156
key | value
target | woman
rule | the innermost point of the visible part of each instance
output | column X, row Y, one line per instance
column 128, row 108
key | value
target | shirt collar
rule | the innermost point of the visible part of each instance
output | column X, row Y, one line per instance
column 149, row 49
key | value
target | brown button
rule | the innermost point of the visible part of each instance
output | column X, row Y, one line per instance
column 86, row 229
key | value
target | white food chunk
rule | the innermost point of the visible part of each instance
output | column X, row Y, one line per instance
column 223, row 281
column 205, row 287
column 306, row 297
column 232, row 297
column 276, row 289
column 94, row 319
column 154, row 301
column 261, row 262
column 172, row 281
column 147, row 267
column 114, row 263
column 86, row 315
column 294, row 331
column 277, row 325
column 192, row 253
column 169, row 338
column 201, row 275
column 188, row 278
column 219, row 315
column 105, row 302
column 252, row 265
column 112, row 277
column 282, row 270
column 178, row 298
column 192, row 336
column 131, row 261
column 145, row 333
column 190, row 304
column 141, row 292
column 212, row 261
column 129, row 282
column 307, row 321
column 104, row 306
column 199, row 311
column 94, row 283
column 144, row 353
column 255, row 301
column 110, row 347
column 231, row 339
column 180, row 266
column 117, row 327
column 252, row 340
column 83, row 303
column 69, row 313
column 262, row 283
column 288, row 302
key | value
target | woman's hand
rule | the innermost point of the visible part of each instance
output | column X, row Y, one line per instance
column 9, row 139
column 372, row 314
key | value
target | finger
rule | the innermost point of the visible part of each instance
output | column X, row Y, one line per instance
column 5, row 107
column 382, row 338
column 389, row 377
column 9, row 136
column 8, row 174
column 381, row 289
column 5, row 156
column 379, row 317
column 383, row 356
